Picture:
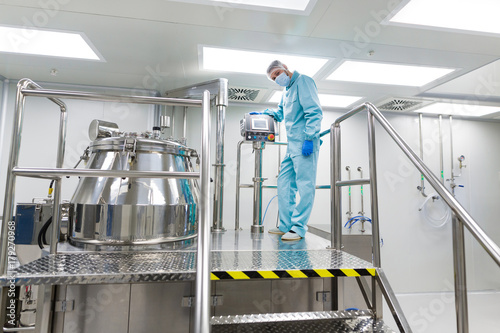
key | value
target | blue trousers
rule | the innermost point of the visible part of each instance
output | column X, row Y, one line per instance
column 298, row 174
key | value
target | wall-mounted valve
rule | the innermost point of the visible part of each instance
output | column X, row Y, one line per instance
column 461, row 159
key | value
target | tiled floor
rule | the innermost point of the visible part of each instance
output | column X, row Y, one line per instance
column 435, row 312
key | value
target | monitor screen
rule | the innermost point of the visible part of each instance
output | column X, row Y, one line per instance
column 260, row 124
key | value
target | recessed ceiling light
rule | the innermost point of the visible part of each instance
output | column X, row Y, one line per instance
column 477, row 15
column 281, row 4
column 468, row 110
column 326, row 100
column 384, row 73
column 300, row 7
column 230, row 60
column 25, row 40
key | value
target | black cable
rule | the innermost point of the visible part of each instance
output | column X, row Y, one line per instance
column 42, row 239
column 42, row 233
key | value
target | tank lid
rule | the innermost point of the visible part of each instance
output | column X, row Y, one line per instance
column 140, row 144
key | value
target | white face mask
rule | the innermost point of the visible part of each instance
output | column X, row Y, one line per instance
column 283, row 79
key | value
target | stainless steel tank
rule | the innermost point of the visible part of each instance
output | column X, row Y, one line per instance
column 135, row 211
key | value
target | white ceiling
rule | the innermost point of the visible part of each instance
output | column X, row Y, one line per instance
column 155, row 44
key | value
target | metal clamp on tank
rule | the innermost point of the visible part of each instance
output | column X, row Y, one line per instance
column 258, row 127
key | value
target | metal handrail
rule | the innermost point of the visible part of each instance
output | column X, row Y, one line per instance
column 202, row 309
column 460, row 219
column 57, row 173
column 486, row 242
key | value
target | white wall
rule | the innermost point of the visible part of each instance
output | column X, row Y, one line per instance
column 415, row 256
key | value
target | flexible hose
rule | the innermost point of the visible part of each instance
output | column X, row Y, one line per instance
column 265, row 212
column 356, row 219
column 435, row 222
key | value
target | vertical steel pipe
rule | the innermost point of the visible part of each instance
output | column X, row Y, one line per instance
column 238, row 180
column 461, row 301
column 335, row 191
column 349, row 212
column 202, row 306
column 3, row 110
column 421, row 143
column 56, row 209
column 8, row 207
column 452, row 175
column 373, row 190
column 184, row 125
column 219, row 170
column 257, row 226
column 441, row 156
column 362, row 211
column 172, row 123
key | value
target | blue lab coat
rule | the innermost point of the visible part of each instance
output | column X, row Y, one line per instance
column 301, row 111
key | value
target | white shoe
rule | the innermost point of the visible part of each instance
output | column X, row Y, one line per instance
column 290, row 236
column 275, row 231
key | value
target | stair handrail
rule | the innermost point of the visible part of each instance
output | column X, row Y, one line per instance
column 460, row 218
column 479, row 234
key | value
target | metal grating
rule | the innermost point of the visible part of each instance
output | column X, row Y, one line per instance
column 243, row 94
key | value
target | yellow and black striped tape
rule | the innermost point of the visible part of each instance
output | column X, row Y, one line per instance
column 295, row 273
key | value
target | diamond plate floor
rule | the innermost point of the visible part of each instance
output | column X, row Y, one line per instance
column 129, row 267
column 231, row 251
column 319, row 326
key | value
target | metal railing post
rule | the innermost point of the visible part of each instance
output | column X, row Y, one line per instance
column 219, row 170
column 56, row 208
column 461, row 300
column 373, row 190
column 202, row 306
column 336, row 191
column 11, row 178
column 238, row 189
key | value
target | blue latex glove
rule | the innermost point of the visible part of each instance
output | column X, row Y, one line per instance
column 255, row 112
column 307, row 148
column 269, row 112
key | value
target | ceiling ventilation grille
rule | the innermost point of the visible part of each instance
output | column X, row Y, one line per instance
column 402, row 104
column 244, row 94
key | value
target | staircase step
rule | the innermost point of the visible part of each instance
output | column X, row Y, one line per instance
column 317, row 322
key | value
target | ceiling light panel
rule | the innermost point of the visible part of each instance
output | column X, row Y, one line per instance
column 477, row 15
column 25, row 40
column 467, row 110
column 326, row 100
column 230, row 60
column 297, row 7
column 281, row 4
column 384, row 73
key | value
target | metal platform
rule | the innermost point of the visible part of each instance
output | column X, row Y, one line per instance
column 258, row 259
column 317, row 322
